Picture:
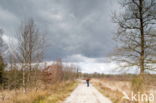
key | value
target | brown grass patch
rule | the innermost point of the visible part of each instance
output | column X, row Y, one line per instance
column 113, row 86
column 52, row 94
column 115, row 95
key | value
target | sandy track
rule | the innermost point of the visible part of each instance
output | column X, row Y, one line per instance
column 84, row 94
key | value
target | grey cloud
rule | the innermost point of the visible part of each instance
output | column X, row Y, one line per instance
column 73, row 26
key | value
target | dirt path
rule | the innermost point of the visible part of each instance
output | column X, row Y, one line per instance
column 84, row 94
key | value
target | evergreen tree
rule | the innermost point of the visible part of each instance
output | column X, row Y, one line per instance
column 2, row 67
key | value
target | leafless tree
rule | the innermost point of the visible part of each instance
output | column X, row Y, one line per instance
column 137, row 41
column 31, row 43
column 1, row 40
column 3, row 45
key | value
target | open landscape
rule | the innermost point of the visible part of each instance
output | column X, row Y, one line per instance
column 119, row 87
column 110, row 88
column 77, row 51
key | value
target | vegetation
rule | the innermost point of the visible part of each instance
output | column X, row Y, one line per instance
column 25, row 78
column 45, row 86
column 135, row 34
column 115, row 95
column 116, row 86
column 57, row 93
column 2, row 64
column 2, row 67
column 54, row 93
column 137, row 37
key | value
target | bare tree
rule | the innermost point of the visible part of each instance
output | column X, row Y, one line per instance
column 30, row 48
column 1, row 40
column 3, row 44
column 135, row 25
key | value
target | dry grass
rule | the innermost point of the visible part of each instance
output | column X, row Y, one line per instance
column 59, row 93
column 114, row 94
column 115, row 86
column 51, row 94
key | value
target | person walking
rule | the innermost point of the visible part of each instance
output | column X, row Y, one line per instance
column 87, row 81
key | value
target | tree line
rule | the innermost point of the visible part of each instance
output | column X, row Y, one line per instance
column 22, row 66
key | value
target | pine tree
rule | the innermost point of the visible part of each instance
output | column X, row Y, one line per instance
column 2, row 67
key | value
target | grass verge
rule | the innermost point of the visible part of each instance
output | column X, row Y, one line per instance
column 58, row 94
column 114, row 95
column 51, row 94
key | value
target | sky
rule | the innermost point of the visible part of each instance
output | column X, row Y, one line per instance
column 77, row 30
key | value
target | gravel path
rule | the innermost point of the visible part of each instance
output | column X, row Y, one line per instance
column 84, row 94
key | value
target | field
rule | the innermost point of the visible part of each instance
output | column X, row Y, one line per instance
column 116, row 87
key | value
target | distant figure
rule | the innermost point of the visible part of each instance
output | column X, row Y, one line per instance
column 87, row 81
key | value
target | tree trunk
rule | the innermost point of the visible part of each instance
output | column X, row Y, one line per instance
column 142, row 66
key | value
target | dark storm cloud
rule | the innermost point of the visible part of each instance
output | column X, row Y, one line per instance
column 73, row 26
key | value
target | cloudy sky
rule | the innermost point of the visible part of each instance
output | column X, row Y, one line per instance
column 77, row 30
